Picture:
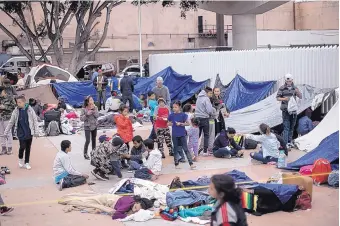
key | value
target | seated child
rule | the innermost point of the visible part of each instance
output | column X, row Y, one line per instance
column 64, row 173
column 153, row 165
column 225, row 145
column 269, row 145
column 138, row 154
column 305, row 124
column 120, row 149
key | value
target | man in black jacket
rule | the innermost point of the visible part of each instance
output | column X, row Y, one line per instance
column 100, row 83
column 127, row 88
column 225, row 145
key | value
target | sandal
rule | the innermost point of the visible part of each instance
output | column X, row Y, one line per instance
column 5, row 169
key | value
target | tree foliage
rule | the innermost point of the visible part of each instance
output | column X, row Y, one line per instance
column 57, row 15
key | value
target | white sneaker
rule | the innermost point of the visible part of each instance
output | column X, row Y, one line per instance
column 206, row 154
column 60, row 185
column 27, row 166
column 21, row 163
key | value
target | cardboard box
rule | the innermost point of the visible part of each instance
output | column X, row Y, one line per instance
column 298, row 179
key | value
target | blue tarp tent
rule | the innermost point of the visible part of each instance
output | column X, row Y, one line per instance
column 181, row 87
column 241, row 93
column 75, row 93
column 327, row 149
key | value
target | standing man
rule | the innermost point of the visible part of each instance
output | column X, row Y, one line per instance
column 127, row 88
column 100, row 84
column 146, row 67
column 162, row 91
column 287, row 91
column 204, row 111
column 94, row 74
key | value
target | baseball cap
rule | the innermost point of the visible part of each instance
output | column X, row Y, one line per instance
column 160, row 79
column 288, row 77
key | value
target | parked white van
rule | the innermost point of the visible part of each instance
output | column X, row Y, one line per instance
column 22, row 62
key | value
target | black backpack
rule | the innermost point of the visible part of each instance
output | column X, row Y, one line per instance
column 250, row 144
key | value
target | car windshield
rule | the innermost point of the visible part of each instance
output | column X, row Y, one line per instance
column 48, row 72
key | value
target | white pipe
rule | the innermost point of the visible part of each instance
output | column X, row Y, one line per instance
column 140, row 38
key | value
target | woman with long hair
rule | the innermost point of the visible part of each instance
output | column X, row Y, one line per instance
column 89, row 116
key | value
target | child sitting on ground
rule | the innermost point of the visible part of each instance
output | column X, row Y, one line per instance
column 137, row 154
column 120, row 149
column 193, row 137
column 64, row 173
column 153, row 165
column 228, row 209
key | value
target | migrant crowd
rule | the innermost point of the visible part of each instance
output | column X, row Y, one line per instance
column 189, row 124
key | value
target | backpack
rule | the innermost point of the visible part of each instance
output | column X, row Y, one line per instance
column 306, row 170
column 53, row 129
column 320, row 171
column 250, row 144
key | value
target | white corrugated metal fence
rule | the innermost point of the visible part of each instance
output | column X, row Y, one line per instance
column 318, row 67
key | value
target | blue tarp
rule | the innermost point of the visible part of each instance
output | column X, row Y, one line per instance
column 241, row 93
column 75, row 93
column 181, row 87
column 283, row 191
column 327, row 149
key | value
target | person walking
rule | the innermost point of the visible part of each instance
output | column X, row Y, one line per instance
column 7, row 106
column 127, row 88
column 204, row 111
column 25, row 123
column 89, row 116
column 285, row 92
column 100, row 84
column 162, row 91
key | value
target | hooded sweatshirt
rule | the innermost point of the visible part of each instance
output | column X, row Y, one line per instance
column 204, row 108
column 154, row 162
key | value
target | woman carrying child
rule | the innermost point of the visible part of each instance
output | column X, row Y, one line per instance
column 228, row 209
column 124, row 125
column 89, row 116
column 162, row 113
column 222, row 111
column 178, row 120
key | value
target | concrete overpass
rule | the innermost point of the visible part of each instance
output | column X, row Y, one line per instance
column 244, row 32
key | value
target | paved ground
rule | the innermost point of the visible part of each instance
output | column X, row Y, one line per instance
column 34, row 195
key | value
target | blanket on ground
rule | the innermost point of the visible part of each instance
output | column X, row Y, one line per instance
column 145, row 189
column 89, row 202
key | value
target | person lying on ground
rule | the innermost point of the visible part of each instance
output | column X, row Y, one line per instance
column 228, row 209
column 4, row 210
column 100, row 158
column 120, row 149
column 305, row 124
column 7, row 105
column 25, row 123
column 138, row 152
column 128, row 205
column 153, row 165
column 225, row 145
column 269, row 145
column 112, row 103
column 64, row 173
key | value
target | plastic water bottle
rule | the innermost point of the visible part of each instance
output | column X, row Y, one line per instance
column 282, row 161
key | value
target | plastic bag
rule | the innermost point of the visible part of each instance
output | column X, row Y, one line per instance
column 292, row 105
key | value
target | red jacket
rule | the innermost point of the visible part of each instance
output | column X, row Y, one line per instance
column 124, row 128
column 161, row 113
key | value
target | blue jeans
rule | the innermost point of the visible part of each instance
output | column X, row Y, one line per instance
column 153, row 135
column 181, row 141
column 259, row 157
column 289, row 122
column 116, row 168
column 223, row 152
column 135, row 165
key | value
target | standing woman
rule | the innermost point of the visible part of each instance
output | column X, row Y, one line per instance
column 223, row 111
column 89, row 116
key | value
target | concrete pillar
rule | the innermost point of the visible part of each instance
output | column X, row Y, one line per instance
column 220, row 30
column 244, row 32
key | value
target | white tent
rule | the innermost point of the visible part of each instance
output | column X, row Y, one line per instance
column 247, row 120
column 326, row 127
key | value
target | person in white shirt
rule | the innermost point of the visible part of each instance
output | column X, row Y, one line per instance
column 269, row 145
column 21, row 82
column 153, row 165
column 112, row 103
column 64, row 173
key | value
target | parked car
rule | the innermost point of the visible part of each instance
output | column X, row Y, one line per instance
column 12, row 64
column 86, row 71
column 132, row 70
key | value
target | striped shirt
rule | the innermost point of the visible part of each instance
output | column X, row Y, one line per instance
column 286, row 91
